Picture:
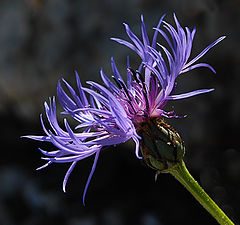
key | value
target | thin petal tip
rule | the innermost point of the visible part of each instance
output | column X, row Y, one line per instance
column 211, row 89
column 24, row 136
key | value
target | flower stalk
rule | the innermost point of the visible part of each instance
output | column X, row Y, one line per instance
column 184, row 177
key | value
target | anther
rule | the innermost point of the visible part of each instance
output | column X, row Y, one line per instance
column 121, row 85
column 127, row 94
column 133, row 73
column 117, row 82
column 144, row 88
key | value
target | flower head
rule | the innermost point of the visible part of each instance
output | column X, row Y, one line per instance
column 113, row 113
column 160, row 75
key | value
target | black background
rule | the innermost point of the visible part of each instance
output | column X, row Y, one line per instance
column 43, row 41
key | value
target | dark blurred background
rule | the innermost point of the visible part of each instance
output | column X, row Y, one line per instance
column 42, row 41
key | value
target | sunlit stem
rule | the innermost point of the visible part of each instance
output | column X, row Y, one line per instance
column 181, row 173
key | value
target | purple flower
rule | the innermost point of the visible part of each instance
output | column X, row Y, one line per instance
column 101, row 121
column 112, row 113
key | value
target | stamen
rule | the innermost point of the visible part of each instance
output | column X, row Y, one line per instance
column 133, row 73
column 121, row 85
column 127, row 94
column 140, row 76
column 117, row 82
column 144, row 88
column 125, row 90
column 140, row 80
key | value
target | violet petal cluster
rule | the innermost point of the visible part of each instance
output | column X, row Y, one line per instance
column 102, row 121
column 109, row 114
column 160, row 74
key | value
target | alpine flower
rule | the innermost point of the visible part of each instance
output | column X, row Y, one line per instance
column 112, row 113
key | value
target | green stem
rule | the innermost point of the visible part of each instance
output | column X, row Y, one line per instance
column 184, row 177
